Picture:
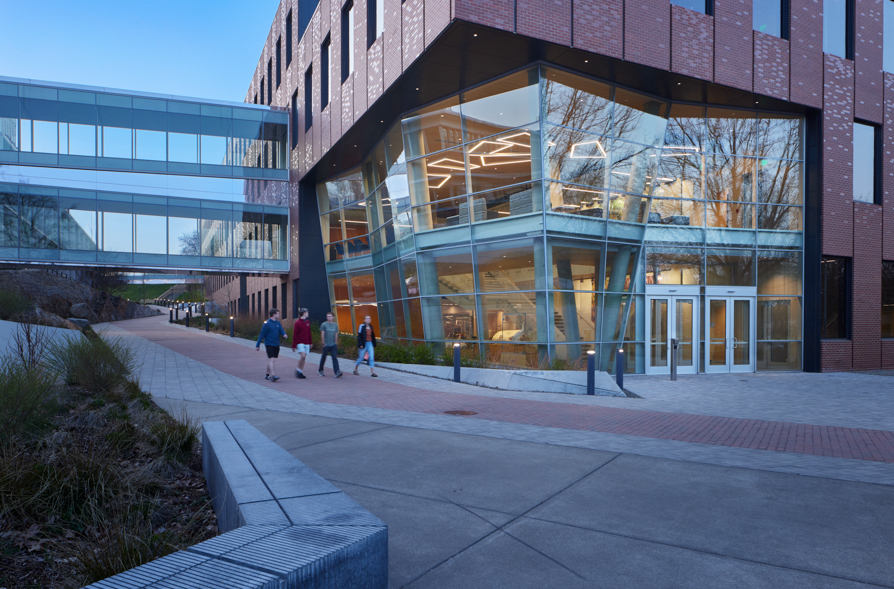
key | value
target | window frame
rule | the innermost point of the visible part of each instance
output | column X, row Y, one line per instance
column 278, row 62
column 890, row 295
column 848, row 296
column 270, row 81
column 784, row 18
column 325, row 70
column 347, row 40
column 308, row 98
column 877, row 157
column 850, row 8
column 294, row 129
column 289, row 39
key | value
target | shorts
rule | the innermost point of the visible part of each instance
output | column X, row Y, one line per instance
column 272, row 351
column 302, row 348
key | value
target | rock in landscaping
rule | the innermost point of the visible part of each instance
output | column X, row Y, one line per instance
column 82, row 323
column 81, row 311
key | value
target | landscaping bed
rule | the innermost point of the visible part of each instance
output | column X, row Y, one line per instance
column 94, row 478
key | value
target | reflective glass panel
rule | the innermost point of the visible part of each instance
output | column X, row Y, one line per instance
column 183, row 237
column 680, row 175
column 578, row 200
column 501, row 160
column 511, row 317
column 677, row 213
column 673, row 266
column 506, row 202
column 620, row 262
column 639, row 118
column 447, row 271
column 686, row 128
column 767, row 17
column 778, row 318
column 438, row 176
column 835, row 27
column 117, row 142
column 864, row 162
column 634, row 167
column 46, row 137
column 363, row 289
column 576, row 157
column 729, row 178
column 152, row 233
column 444, row 213
column 9, row 220
column 510, row 266
column 451, row 317
column 779, row 182
column 779, row 218
column 574, row 101
column 732, row 132
column 574, row 316
column 39, row 222
column 779, row 136
column 730, row 215
column 576, row 265
column 77, row 224
column 436, row 129
column 728, row 267
column 356, row 224
column 183, row 147
column 778, row 356
column 510, row 102
column 778, row 273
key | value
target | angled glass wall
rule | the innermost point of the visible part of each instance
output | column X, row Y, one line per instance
column 526, row 218
column 71, row 127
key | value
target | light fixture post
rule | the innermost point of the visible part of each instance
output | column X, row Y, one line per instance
column 619, row 368
column 207, row 322
column 187, row 316
column 232, row 328
column 171, row 311
column 456, row 362
column 591, row 372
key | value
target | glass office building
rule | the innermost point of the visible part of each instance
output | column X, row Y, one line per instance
column 103, row 177
column 545, row 214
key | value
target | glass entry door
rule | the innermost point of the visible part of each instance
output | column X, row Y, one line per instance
column 672, row 317
column 729, row 334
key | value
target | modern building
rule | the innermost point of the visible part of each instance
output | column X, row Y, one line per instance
column 93, row 177
column 538, row 179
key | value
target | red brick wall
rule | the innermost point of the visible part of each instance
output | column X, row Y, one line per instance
column 599, row 26
column 888, row 353
column 692, row 43
column 771, row 63
column 836, row 355
column 888, row 172
column 838, row 187
column 868, row 80
column 499, row 14
column 647, row 32
column 733, row 53
column 545, row 19
column 867, row 291
column 806, row 84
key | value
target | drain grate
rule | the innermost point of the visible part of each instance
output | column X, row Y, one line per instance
column 457, row 412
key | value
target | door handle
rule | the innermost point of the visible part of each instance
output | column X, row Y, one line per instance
column 735, row 343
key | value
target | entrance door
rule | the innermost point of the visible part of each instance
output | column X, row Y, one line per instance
column 671, row 317
column 729, row 334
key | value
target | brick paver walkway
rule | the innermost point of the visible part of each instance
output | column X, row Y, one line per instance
column 817, row 440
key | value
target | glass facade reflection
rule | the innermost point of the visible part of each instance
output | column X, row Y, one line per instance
column 528, row 219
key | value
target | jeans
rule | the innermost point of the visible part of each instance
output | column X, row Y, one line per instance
column 372, row 355
column 333, row 351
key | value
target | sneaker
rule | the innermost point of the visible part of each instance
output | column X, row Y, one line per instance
column 301, row 375
column 274, row 378
column 267, row 377
column 356, row 373
column 339, row 375
column 374, row 375
column 321, row 373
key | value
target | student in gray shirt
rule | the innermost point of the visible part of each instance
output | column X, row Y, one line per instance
column 329, row 332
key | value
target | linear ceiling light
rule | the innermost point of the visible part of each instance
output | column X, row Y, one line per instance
column 588, row 157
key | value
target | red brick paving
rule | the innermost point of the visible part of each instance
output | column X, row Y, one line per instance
column 817, row 440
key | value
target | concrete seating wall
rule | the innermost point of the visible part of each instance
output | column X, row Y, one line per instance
column 283, row 525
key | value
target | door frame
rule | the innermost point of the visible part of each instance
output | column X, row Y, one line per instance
column 672, row 292
column 730, row 295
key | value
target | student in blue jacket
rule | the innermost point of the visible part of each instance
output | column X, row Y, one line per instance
column 270, row 335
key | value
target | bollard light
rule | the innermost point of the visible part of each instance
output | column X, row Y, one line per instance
column 619, row 368
column 171, row 320
column 456, row 362
column 591, row 372
column 207, row 321
column 176, row 314
column 232, row 330
column 187, row 318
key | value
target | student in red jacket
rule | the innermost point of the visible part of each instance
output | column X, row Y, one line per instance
column 301, row 340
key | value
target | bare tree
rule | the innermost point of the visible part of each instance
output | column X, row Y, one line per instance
column 30, row 343
column 190, row 243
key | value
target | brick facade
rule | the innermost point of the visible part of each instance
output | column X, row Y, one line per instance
column 721, row 49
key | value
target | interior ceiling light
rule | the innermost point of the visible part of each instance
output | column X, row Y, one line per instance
column 445, row 177
column 588, row 157
column 450, row 164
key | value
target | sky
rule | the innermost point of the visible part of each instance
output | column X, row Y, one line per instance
column 195, row 48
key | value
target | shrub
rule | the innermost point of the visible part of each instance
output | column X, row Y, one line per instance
column 422, row 354
column 176, row 435
column 99, row 364
column 28, row 398
column 12, row 303
column 248, row 327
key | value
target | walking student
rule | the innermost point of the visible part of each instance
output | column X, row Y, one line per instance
column 329, row 331
column 271, row 333
column 301, row 340
column 366, row 344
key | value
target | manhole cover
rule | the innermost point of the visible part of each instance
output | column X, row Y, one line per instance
column 455, row 412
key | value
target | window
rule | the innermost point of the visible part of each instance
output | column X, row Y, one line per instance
column 375, row 20
column 867, row 169
column 308, row 98
column 835, row 298
column 278, row 68
column 270, row 81
column 771, row 17
column 887, row 299
column 295, row 119
column 325, row 71
column 347, row 41
column 262, row 90
column 289, row 39
column 838, row 28
column 256, row 98
column 703, row 6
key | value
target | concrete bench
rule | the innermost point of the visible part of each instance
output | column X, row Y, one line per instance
column 282, row 524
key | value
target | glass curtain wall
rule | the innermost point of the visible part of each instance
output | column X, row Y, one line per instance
column 525, row 217
column 48, row 223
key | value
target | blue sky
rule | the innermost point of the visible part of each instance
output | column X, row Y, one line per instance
column 194, row 48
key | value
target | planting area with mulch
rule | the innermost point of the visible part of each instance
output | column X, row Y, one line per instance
column 94, row 478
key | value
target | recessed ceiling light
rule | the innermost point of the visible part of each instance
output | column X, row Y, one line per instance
column 475, row 35
column 586, row 61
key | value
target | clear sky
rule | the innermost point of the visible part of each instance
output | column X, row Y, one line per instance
column 198, row 48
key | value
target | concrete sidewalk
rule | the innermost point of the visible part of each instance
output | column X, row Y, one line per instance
column 487, row 503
